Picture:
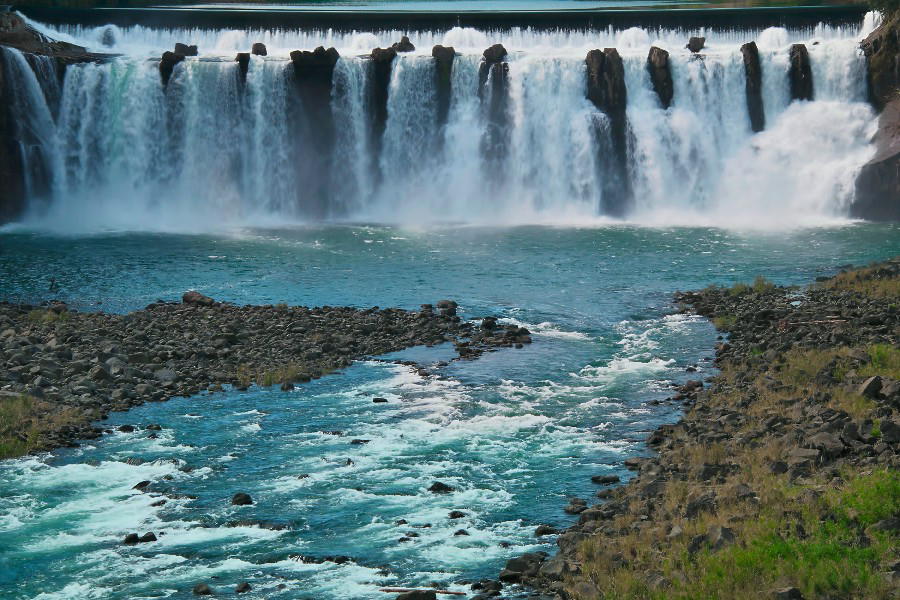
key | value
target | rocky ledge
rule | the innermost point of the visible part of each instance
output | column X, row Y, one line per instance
column 60, row 370
column 781, row 479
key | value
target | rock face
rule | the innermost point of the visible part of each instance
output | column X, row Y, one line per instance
column 878, row 183
column 259, row 49
column 882, row 50
column 167, row 65
column 661, row 75
column 311, row 116
column 382, row 65
column 243, row 61
column 800, row 73
column 606, row 90
column 443, row 71
column 753, row 76
column 696, row 44
column 493, row 89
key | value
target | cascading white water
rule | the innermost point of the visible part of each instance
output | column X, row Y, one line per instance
column 32, row 119
column 210, row 150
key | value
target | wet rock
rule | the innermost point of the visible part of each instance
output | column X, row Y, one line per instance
column 753, row 86
column 404, row 45
column 447, row 308
column 167, row 66
column 195, row 298
column 201, row 589
column 186, row 50
column 440, row 488
column 382, row 66
column 379, row 400
column 259, row 49
column 461, row 532
column 495, row 53
column 543, row 530
column 443, row 70
column 661, row 75
column 131, row 539
column 800, row 73
column 605, row 479
column 456, row 514
column 243, row 61
column 143, row 485
column 241, row 499
column 147, row 537
column 878, row 182
column 696, row 44
column 243, row 587
column 126, row 428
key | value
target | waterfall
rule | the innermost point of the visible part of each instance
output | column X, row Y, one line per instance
column 32, row 126
column 211, row 149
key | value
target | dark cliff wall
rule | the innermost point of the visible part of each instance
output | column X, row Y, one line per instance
column 878, row 184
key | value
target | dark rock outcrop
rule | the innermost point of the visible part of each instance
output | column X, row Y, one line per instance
column 382, row 65
column 12, row 169
column 16, row 33
column 243, row 61
column 241, row 499
column 753, row 77
column 259, row 49
column 443, row 71
column 696, row 44
column 882, row 50
column 606, row 90
column 661, row 75
column 186, row 50
column 167, row 65
column 878, row 183
column 404, row 45
column 493, row 89
column 311, row 117
column 800, row 73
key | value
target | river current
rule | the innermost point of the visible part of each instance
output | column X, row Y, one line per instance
column 515, row 432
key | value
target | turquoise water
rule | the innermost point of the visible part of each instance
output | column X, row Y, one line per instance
column 515, row 432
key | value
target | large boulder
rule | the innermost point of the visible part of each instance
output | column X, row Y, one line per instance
column 696, row 44
column 878, row 183
column 404, row 45
column 167, row 65
column 661, row 75
column 259, row 49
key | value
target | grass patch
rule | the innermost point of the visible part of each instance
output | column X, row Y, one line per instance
column 876, row 281
column 42, row 315
column 760, row 284
column 724, row 322
column 821, row 546
column 25, row 421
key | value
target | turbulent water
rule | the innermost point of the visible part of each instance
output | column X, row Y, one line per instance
column 207, row 151
column 516, row 432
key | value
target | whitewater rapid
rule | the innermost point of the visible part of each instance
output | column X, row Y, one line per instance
column 123, row 151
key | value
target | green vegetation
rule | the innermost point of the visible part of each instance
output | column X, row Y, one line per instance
column 875, row 281
column 724, row 322
column 25, row 422
column 759, row 285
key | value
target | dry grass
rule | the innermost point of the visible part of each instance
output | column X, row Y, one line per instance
column 25, row 422
column 873, row 281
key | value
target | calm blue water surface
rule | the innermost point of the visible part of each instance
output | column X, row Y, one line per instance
column 515, row 432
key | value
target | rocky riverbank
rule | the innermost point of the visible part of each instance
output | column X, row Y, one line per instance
column 63, row 370
column 781, row 479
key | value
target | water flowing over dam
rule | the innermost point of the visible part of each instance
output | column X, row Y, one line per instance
column 524, row 137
